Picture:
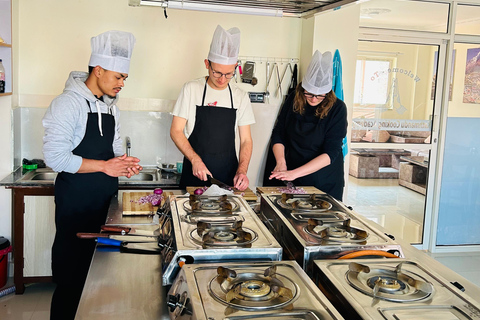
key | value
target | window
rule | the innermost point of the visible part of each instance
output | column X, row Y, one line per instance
column 372, row 81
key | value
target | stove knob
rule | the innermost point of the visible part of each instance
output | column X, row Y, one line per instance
column 459, row 286
column 395, row 252
column 390, row 236
column 172, row 302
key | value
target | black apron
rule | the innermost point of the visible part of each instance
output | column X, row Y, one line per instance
column 213, row 139
column 305, row 140
column 81, row 205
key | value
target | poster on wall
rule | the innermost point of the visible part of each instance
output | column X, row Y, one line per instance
column 434, row 78
column 471, row 91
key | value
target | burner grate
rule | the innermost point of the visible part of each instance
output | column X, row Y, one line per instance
column 387, row 283
column 303, row 203
column 247, row 290
column 340, row 232
column 212, row 205
column 217, row 235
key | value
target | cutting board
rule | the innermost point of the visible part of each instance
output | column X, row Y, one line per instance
column 131, row 206
column 276, row 190
column 247, row 194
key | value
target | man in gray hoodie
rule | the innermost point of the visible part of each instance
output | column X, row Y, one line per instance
column 82, row 142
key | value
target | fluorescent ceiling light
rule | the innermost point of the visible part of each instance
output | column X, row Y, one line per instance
column 207, row 7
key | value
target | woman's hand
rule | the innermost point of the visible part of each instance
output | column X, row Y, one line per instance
column 287, row 175
column 280, row 167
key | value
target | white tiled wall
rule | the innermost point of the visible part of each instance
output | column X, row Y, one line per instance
column 149, row 133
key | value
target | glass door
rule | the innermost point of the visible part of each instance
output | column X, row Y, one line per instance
column 393, row 140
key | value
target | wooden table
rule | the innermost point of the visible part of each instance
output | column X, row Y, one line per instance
column 413, row 173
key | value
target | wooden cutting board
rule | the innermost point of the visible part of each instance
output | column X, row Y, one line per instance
column 247, row 194
column 276, row 190
column 131, row 206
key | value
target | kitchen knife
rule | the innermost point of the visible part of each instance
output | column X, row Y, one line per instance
column 289, row 184
column 219, row 183
column 130, row 231
column 144, row 248
column 126, row 238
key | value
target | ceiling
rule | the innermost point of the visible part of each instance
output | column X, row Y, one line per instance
column 292, row 8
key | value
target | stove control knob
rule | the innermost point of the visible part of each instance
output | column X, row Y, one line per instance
column 390, row 236
column 172, row 301
column 458, row 285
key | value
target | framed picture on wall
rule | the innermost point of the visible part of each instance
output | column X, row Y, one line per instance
column 471, row 90
column 434, row 78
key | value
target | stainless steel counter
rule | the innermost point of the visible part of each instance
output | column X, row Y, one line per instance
column 124, row 285
column 129, row 286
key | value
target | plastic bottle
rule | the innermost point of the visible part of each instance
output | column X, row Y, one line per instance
column 2, row 77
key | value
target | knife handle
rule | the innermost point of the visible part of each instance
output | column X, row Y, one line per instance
column 119, row 229
column 110, row 242
column 85, row 235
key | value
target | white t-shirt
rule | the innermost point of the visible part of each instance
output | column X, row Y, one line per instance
column 191, row 96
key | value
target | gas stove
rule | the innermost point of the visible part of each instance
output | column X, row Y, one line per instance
column 250, row 290
column 210, row 229
column 391, row 289
column 317, row 226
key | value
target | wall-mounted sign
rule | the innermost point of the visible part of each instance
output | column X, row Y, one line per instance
column 391, row 124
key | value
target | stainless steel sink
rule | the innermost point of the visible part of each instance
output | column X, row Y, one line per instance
column 48, row 176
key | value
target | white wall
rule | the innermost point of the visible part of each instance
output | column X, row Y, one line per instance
column 339, row 30
column 55, row 39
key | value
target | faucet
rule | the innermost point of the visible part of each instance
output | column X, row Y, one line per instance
column 128, row 143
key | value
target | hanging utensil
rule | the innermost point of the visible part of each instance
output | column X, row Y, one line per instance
column 267, row 94
column 293, row 82
column 279, row 83
column 288, row 66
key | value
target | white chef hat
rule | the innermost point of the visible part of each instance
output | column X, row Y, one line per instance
column 318, row 78
column 225, row 46
column 112, row 50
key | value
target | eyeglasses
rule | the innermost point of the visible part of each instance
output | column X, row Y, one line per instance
column 317, row 96
column 217, row 74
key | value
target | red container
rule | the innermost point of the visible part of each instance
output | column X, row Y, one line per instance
column 5, row 248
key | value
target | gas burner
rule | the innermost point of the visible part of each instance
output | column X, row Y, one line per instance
column 213, row 219
column 211, row 205
column 233, row 235
column 303, row 203
column 326, row 217
column 336, row 232
column 388, row 283
column 248, row 290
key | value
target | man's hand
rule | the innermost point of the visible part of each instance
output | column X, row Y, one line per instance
column 240, row 181
column 199, row 169
column 123, row 166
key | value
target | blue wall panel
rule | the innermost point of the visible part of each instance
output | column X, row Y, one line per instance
column 459, row 211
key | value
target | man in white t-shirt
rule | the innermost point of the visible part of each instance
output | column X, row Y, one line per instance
column 206, row 116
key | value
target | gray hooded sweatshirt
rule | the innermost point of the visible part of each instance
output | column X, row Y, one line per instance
column 65, row 123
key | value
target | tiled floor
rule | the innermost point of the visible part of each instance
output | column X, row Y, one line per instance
column 34, row 304
column 396, row 208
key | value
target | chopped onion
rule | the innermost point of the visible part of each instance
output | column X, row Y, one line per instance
column 158, row 191
column 292, row 190
column 198, row 191
column 154, row 199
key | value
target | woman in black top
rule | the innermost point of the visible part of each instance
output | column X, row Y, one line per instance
column 307, row 138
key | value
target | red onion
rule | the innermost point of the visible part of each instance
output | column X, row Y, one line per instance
column 198, row 191
column 158, row 191
column 292, row 190
column 154, row 199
